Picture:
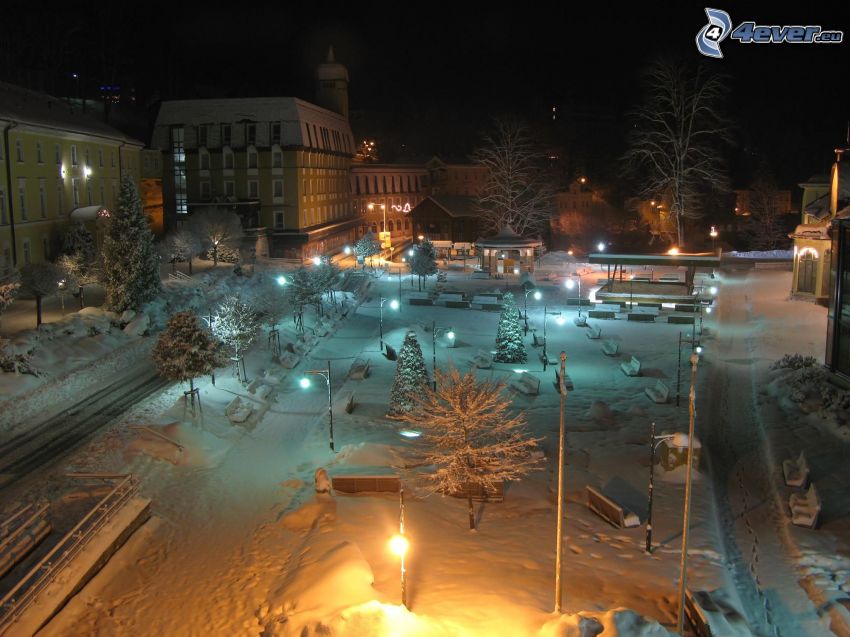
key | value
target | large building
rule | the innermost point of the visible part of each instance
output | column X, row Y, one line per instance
column 388, row 192
column 57, row 166
column 281, row 163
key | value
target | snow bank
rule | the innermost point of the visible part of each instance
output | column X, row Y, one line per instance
column 763, row 254
column 199, row 448
column 614, row 623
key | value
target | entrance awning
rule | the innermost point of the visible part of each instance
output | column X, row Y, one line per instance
column 89, row 213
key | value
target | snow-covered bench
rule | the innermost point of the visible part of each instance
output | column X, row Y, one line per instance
column 796, row 472
column 289, row 359
column 487, row 302
column 593, row 332
column 238, row 410
column 483, row 360
column 681, row 319
column 648, row 317
column 609, row 510
column 670, row 278
column 481, row 274
column 805, row 508
column 359, row 369
column 580, row 321
column 452, row 299
column 632, row 368
column 659, row 394
column 526, row 384
column 610, row 348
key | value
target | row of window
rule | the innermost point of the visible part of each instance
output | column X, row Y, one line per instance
column 20, row 156
column 230, row 189
column 392, row 226
column 371, row 184
column 327, row 139
column 26, row 253
column 249, row 129
column 228, row 159
column 22, row 200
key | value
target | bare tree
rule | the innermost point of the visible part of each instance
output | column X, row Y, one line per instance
column 181, row 245
column 217, row 228
column 518, row 191
column 40, row 279
column 766, row 225
column 9, row 284
column 677, row 137
column 475, row 442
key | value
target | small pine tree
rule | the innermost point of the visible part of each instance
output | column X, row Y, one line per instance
column 509, row 344
column 411, row 376
column 185, row 350
column 424, row 262
column 78, row 241
column 474, row 441
column 130, row 263
column 366, row 246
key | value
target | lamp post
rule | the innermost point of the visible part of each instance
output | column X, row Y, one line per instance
column 713, row 234
column 569, row 284
column 537, row 297
column 305, row 383
column 654, row 441
column 560, row 523
column 545, row 356
column 449, row 335
column 399, row 545
column 393, row 305
column 686, row 526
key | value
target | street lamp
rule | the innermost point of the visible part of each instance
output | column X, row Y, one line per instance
column 713, row 235
column 562, row 390
column 394, row 306
column 570, row 284
column 449, row 335
column 600, row 246
column 281, row 280
column 537, row 297
column 545, row 314
column 305, row 383
column 317, row 260
column 399, row 545
column 654, row 441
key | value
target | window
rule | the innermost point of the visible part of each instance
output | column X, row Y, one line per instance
column 88, row 191
column 204, row 158
column 277, row 159
column 252, row 159
column 60, row 195
column 309, row 136
column 226, row 131
column 278, row 221
column 57, row 154
column 277, row 186
column 27, row 252
column 228, row 159
column 178, row 154
column 88, row 158
column 203, row 135
column 22, row 197
column 75, row 187
column 205, row 190
column 229, row 189
column 42, row 197
column 250, row 133
column 3, row 219
column 100, row 157
column 39, row 153
column 74, row 155
column 254, row 189
column 275, row 133
column 19, row 150
column 102, row 192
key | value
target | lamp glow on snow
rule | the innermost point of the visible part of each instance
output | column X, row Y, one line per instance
column 560, row 320
column 281, row 280
column 394, row 304
column 399, row 546
column 708, row 310
column 673, row 251
column 409, row 433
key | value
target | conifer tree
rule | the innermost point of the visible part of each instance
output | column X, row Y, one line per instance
column 130, row 263
column 366, row 246
column 411, row 376
column 475, row 443
column 509, row 344
column 185, row 350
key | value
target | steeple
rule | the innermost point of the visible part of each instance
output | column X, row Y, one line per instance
column 332, row 85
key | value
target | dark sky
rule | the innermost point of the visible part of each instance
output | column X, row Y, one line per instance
column 435, row 73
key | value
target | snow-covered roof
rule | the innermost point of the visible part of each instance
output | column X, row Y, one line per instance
column 818, row 208
column 302, row 124
column 89, row 213
column 40, row 110
column 810, row 231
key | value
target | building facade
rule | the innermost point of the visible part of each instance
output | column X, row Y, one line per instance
column 57, row 164
column 388, row 192
column 812, row 243
column 465, row 180
column 281, row 163
column 447, row 218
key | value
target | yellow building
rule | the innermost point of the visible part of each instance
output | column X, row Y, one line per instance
column 57, row 166
column 812, row 244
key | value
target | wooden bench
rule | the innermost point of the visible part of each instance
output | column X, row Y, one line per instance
column 659, row 394
column 359, row 369
column 610, row 348
column 483, row 360
column 642, row 316
column 609, row 307
column 609, row 510
column 568, row 382
column 594, row 332
column 526, row 384
column 417, row 301
column 447, row 297
column 601, row 314
column 641, row 279
column 669, row 278
column 632, row 368
column 796, row 472
column 805, row 508
column 680, row 319
column 366, row 484
column 656, row 306
column 238, row 411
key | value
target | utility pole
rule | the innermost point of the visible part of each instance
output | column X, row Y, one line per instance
column 560, row 523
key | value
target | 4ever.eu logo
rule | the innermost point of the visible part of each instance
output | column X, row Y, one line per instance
column 719, row 27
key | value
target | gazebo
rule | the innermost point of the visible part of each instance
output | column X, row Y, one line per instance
column 507, row 250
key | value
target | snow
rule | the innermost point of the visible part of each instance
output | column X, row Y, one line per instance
column 763, row 254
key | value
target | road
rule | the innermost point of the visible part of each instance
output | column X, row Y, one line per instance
column 43, row 444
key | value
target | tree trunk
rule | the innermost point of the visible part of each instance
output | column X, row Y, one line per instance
column 215, row 255
column 37, row 310
column 471, row 513
column 190, row 266
column 81, row 297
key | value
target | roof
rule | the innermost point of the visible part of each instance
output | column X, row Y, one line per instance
column 816, row 181
column 810, row 231
column 454, row 205
column 507, row 238
column 28, row 107
column 89, row 213
column 818, row 208
column 696, row 260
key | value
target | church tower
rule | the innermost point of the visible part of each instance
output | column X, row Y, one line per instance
column 332, row 85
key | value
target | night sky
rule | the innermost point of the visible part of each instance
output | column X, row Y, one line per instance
column 427, row 77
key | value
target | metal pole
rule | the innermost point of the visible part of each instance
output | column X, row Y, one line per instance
column 545, row 358
column 683, row 568
column 679, row 369
column 579, row 295
column 560, row 523
column 401, row 532
column 399, row 284
column 381, row 324
column 330, row 409
column 651, row 484
column 434, row 351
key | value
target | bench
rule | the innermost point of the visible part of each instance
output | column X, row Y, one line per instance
column 526, row 384
column 447, row 297
column 480, row 274
column 366, row 484
column 359, row 369
column 416, row 301
column 697, row 617
column 580, row 321
column 238, row 410
column 805, row 508
column 680, row 319
column 796, row 472
column 593, row 332
column 680, row 307
column 656, row 306
column 659, row 394
column 580, row 302
column 611, row 348
column 669, row 278
column 602, row 281
column 642, row 316
column 482, row 360
column 641, row 279
column 480, row 493
column 601, row 314
column 609, row 307
column 568, row 382
column 632, row 368
column 609, row 510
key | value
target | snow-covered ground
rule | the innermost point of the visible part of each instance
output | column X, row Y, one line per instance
column 242, row 544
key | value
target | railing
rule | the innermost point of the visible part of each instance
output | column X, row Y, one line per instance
column 27, row 590
column 179, row 276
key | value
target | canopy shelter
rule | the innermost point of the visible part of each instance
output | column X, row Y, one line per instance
column 689, row 261
column 89, row 213
column 502, row 250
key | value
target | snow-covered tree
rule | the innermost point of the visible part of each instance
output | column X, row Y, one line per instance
column 367, row 246
column 509, row 344
column 424, row 261
column 303, row 290
column 518, row 191
column 9, row 285
column 677, row 138
column 766, row 226
column 326, row 277
column 217, row 229
column 411, row 376
column 129, row 261
column 79, row 259
column 474, row 440
column 77, row 240
column 235, row 324
column 271, row 300
column 181, row 245
column 185, row 350
column 40, row 279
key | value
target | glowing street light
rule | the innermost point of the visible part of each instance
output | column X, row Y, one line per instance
column 537, row 297
column 305, row 383
column 317, row 260
column 281, row 280
column 399, row 545
column 713, row 234
column 347, row 250
column 560, row 322
column 393, row 305
column 570, row 284
column 600, row 246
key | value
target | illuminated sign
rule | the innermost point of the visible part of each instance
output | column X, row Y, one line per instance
column 404, row 208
